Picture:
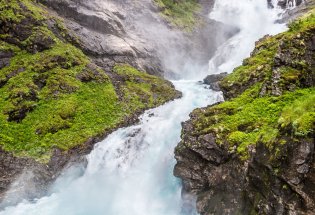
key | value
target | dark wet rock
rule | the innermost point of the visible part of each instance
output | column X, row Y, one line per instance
column 210, row 173
column 285, row 176
column 26, row 172
column 267, row 183
column 276, row 177
column 293, row 13
column 285, row 3
column 5, row 57
column 213, row 80
column 39, row 42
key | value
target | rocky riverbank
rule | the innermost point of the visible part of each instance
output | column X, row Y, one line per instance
column 71, row 72
column 64, row 85
column 254, row 153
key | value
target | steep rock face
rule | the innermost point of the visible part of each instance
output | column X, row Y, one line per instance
column 254, row 154
column 103, row 33
column 141, row 34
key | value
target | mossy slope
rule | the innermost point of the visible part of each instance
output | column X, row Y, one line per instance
column 270, row 97
column 254, row 153
column 180, row 13
column 51, row 93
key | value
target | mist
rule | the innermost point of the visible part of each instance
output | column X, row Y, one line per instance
column 253, row 21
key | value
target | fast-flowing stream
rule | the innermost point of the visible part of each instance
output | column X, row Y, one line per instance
column 130, row 172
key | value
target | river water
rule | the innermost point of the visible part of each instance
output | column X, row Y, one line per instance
column 131, row 171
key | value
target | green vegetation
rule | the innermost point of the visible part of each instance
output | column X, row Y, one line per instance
column 12, row 11
column 299, row 116
column 52, row 95
column 143, row 90
column 180, row 13
column 259, row 66
column 249, row 118
column 302, row 23
column 271, row 96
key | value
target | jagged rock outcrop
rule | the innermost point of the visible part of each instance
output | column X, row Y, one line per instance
column 254, row 153
column 214, row 80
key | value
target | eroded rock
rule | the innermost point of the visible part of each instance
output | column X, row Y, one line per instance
column 213, row 80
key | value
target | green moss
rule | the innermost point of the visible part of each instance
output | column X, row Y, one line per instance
column 247, row 119
column 303, row 23
column 17, row 10
column 8, row 47
column 299, row 116
column 55, row 97
column 180, row 13
column 253, row 112
column 10, row 11
column 141, row 90
column 35, row 10
column 257, row 67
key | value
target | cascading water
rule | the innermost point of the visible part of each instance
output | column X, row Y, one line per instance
column 253, row 20
column 130, row 172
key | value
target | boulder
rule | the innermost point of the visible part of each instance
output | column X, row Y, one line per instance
column 213, row 80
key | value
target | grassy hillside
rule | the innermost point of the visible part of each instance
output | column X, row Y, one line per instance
column 51, row 93
column 271, row 97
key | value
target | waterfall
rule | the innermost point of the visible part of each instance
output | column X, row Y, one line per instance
column 253, row 19
column 130, row 172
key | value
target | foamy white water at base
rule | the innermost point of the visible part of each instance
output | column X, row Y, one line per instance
column 131, row 171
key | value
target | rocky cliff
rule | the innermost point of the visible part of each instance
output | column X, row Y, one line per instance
column 254, row 153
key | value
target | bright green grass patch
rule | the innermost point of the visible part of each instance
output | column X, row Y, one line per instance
column 63, row 112
column 181, row 13
column 258, row 66
column 303, row 23
column 63, row 123
column 55, row 97
column 299, row 117
column 11, row 10
column 143, row 90
column 71, row 118
column 247, row 119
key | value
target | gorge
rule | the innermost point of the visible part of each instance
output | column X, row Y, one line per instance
column 246, row 150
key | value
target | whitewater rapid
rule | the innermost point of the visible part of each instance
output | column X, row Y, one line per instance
column 131, row 171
